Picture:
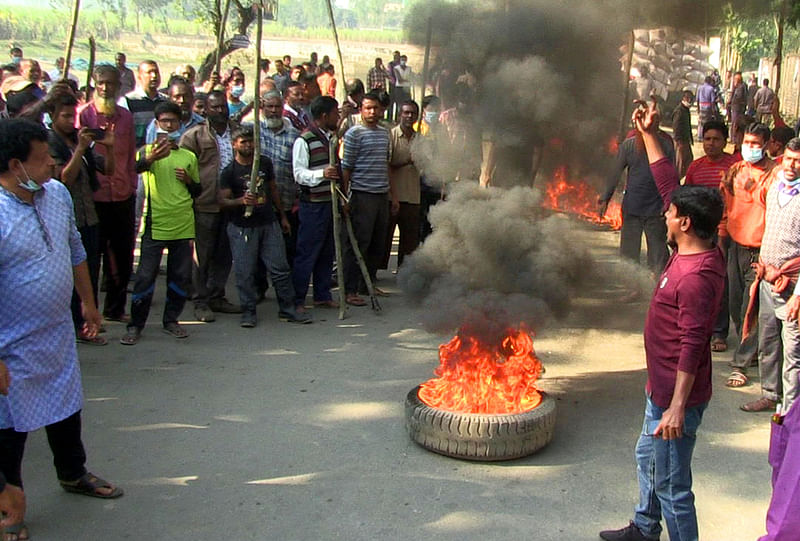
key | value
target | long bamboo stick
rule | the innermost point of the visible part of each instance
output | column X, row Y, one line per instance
column 71, row 39
column 338, row 48
column 253, row 186
column 333, row 145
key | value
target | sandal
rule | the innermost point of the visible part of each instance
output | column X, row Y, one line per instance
column 16, row 532
column 81, row 338
column 736, row 379
column 756, row 406
column 718, row 345
column 89, row 485
column 173, row 329
column 131, row 336
column 326, row 304
column 355, row 300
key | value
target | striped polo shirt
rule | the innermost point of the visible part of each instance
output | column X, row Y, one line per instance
column 708, row 174
column 366, row 154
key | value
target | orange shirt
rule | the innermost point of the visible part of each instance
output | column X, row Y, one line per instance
column 744, row 190
column 327, row 84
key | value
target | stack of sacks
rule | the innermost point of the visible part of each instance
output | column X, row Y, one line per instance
column 669, row 60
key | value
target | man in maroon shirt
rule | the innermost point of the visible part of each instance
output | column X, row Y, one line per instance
column 676, row 338
column 115, row 201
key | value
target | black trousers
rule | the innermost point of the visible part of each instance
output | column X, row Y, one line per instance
column 369, row 214
column 117, row 240
column 407, row 220
column 90, row 241
column 64, row 438
column 655, row 233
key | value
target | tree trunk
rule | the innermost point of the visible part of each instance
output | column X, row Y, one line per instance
column 247, row 15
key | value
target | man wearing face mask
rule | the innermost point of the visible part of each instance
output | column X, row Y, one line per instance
column 277, row 140
column 171, row 181
column 211, row 143
column 234, row 86
column 743, row 225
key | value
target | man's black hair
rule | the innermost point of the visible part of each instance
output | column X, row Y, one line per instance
column 22, row 103
column 105, row 69
column 245, row 131
column 307, row 78
column 322, row 105
column 200, row 96
column 717, row 125
column 757, row 128
column 217, row 94
column 167, row 107
column 16, row 136
column 793, row 145
column 412, row 103
column 55, row 102
column 353, row 87
column 703, row 206
column 373, row 95
column 179, row 80
column 430, row 99
column 14, row 50
column 783, row 134
column 13, row 68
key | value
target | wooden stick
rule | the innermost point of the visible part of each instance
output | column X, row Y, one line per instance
column 333, row 145
column 336, row 40
column 71, row 39
column 92, row 50
column 221, row 37
column 426, row 61
column 254, row 185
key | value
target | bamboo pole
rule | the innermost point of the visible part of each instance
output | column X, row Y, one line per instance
column 71, row 39
column 624, row 118
column 338, row 48
column 221, row 37
column 333, row 145
column 254, row 184
column 92, row 49
column 426, row 61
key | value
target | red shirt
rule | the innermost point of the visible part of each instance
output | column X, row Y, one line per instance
column 707, row 173
column 679, row 325
column 121, row 185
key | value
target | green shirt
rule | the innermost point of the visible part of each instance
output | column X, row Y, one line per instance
column 168, row 203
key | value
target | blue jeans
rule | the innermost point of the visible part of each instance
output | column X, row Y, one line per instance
column 248, row 245
column 314, row 252
column 665, row 477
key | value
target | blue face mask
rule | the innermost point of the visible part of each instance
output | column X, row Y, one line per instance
column 16, row 60
column 237, row 91
column 752, row 154
column 28, row 184
column 431, row 117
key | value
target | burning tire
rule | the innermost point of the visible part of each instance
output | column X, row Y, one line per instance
column 483, row 437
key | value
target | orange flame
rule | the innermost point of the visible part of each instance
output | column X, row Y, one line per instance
column 613, row 146
column 578, row 197
column 474, row 377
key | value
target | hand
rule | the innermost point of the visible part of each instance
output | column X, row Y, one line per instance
column 108, row 140
column 602, row 207
column 183, row 176
column 646, row 117
column 252, row 200
column 5, row 378
column 792, row 308
column 346, row 210
column 91, row 320
column 158, row 151
column 348, row 109
column 85, row 138
column 331, row 173
column 395, row 208
column 671, row 425
column 286, row 227
column 12, row 504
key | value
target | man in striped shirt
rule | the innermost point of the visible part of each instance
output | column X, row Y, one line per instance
column 365, row 176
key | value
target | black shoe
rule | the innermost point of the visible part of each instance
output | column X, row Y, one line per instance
column 629, row 533
column 223, row 306
column 302, row 318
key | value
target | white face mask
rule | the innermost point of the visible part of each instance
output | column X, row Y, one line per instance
column 29, row 184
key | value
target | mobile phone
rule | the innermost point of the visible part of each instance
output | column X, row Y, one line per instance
column 161, row 137
column 97, row 133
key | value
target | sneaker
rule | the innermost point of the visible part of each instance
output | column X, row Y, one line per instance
column 224, row 306
column 295, row 318
column 248, row 321
column 629, row 533
column 202, row 313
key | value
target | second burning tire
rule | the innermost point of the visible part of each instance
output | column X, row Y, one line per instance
column 482, row 437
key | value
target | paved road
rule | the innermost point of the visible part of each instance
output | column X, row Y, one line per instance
column 288, row 432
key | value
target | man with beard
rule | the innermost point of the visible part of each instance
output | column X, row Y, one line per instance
column 293, row 106
column 314, row 173
column 256, row 236
column 115, row 200
column 76, row 166
column 141, row 102
column 211, row 143
column 30, row 70
column 181, row 93
column 277, row 139
column 365, row 179
column 676, row 338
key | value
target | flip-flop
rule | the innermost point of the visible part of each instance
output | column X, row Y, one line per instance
column 173, row 329
column 131, row 337
column 326, row 304
column 16, row 530
column 88, row 484
column 355, row 300
column 736, row 379
column 95, row 341
column 718, row 345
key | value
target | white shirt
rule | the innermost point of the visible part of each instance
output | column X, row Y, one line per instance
column 302, row 174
